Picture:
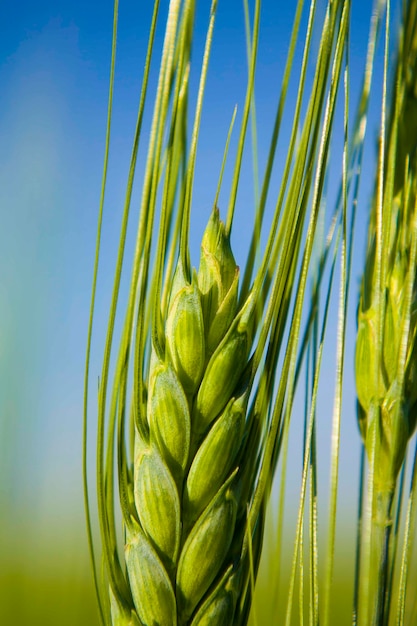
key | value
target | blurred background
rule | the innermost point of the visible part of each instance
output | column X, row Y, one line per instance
column 54, row 72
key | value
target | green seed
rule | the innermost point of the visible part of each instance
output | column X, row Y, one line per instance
column 388, row 427
column 185, row 335
column 224, row 371
column 206, row 549
column 149, row 582
column 219, row 608
column 169, row 417
column 158, row 504
column 214, row 459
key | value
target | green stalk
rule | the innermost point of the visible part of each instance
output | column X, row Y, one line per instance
column 381, row 526
column 358, row 552
column 407, row 546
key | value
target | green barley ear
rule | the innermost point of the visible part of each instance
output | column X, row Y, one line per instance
column 386, row 381
column 181, row 461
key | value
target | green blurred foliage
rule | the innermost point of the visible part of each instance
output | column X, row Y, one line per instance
column 45, row 579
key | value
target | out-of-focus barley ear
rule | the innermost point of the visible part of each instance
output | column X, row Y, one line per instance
column 385, row 350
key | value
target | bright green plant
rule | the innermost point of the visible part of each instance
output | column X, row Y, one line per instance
column 190, row 426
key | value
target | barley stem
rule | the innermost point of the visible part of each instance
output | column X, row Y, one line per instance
column 381, row 527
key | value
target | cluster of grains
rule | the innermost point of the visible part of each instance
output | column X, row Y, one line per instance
column 181, row 552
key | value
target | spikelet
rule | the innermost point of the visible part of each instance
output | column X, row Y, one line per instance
column 185, row 331
column 218, row 279
column 217, row 452
column 206, row 548
column 219, row 607
column 120, row 615
column 150, row 584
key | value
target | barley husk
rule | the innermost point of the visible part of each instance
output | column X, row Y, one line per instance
column 150, row 585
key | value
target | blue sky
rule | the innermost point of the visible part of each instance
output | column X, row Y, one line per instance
column 54, row 66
